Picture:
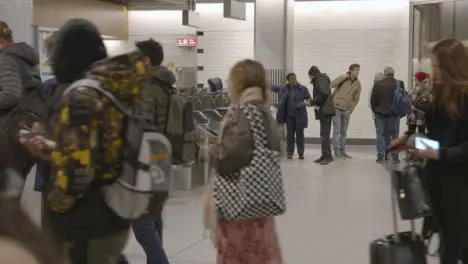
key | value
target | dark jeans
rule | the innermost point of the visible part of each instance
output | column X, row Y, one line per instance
column 149, row 236
column 386, row 131
column 295, row 135
column 325, row 128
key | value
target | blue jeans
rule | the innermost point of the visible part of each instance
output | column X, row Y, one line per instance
column 149, row 236
column 387, row 130
column 340, row 129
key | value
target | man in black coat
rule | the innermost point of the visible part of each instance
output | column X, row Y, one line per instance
column 322, row 101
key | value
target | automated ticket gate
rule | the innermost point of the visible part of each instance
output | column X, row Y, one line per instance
column 189, row 176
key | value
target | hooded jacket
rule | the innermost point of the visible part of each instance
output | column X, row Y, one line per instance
column 78, row 46
column 160, row 81
column 322, row 96
column 18, row 62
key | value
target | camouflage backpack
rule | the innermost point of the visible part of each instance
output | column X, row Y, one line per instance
column 106, row 136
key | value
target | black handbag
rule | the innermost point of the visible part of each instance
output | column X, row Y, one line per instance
column 399, row 247
column 412, row 197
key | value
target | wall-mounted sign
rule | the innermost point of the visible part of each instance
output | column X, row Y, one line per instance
column 187, row 42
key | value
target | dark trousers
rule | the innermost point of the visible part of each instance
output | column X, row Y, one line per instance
column 452, row 255
column 325, row 129
column 295, row 135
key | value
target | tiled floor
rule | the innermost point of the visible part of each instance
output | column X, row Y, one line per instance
column 333, row 213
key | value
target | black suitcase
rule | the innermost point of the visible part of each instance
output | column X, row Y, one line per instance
column 412, row 197
column 399, row 247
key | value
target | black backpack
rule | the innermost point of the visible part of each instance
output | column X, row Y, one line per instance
column 32, row 107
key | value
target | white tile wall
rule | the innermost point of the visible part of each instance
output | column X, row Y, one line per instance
column 332, row 35
column 18, row 15
column 165, row 27
column 225, row 42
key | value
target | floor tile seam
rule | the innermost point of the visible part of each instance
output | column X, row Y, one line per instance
column 187, row 247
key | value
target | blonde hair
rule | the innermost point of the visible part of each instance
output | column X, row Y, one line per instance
column 379, row 76
column 246, row 74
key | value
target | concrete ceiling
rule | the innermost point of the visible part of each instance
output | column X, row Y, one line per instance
column 173, row 4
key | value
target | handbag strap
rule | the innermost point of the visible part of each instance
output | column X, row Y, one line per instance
column 256, row 124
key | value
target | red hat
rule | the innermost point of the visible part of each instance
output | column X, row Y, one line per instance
column 421, row 76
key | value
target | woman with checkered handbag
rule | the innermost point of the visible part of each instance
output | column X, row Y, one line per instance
column 248, row 187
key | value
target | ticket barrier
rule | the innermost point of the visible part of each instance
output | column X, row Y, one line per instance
column 193, row 175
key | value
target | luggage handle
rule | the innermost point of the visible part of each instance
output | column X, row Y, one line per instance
column 391, row 167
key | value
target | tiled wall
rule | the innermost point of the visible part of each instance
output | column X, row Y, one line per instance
column 18, row 14
column 333, row 35
column 330, row 34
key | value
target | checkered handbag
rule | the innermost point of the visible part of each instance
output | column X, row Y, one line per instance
column 256, row 190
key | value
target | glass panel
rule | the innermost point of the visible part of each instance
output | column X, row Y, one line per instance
column 431, row 23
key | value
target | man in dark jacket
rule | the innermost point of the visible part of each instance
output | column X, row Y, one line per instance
column 292, row 110
column 386, row 121
column 322, row 101
column 148, row 230
column 18, row 64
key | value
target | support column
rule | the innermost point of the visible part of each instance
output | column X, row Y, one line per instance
column 274, row 37
column 18, row 15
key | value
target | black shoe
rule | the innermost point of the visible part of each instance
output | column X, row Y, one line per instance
column 327, row 160
column 380, row 160
column 301, row 157
column 290, row 155
column 319, row 160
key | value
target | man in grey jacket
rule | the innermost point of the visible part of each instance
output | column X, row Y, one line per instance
column 17, row 61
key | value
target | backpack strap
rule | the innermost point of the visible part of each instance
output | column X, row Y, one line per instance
column 96, row 86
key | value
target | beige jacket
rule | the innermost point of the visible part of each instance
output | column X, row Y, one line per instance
column 346, row 96
column 12, row 252
column 234, row 150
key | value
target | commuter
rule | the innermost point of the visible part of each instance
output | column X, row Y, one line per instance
column 82, row 223
column 346, row 94
column 446, row 122
column 386, row 121
column 292, row 110
column 148, row 230
column 21, row 242
column 49, row 86
column 420, row 93
column 322, row 101
column 379, row 76
column 18, row 68
column 251, row 240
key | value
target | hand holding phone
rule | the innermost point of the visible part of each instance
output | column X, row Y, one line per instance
column 427, row 148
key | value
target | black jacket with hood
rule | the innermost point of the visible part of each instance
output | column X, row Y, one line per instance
column 78, row 46
column 18, row 63
column 161, row 81
column 322, row 96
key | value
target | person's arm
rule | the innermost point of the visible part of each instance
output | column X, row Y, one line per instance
column 457, row 154
column 306, row 97
column 11, row 90
column 275, row 88
column 233, row 151
column 323, row 91
column 77, row 143
column 402, row 85
column 338, row 81
column 356, row 97
column 374, row 97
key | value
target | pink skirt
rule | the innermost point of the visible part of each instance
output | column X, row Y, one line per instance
column 252, row 241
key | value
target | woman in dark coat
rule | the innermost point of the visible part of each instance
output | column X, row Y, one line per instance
column 447, row 168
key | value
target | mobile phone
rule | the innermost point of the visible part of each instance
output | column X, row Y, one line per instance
column 209, row 130
column 423, row 143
